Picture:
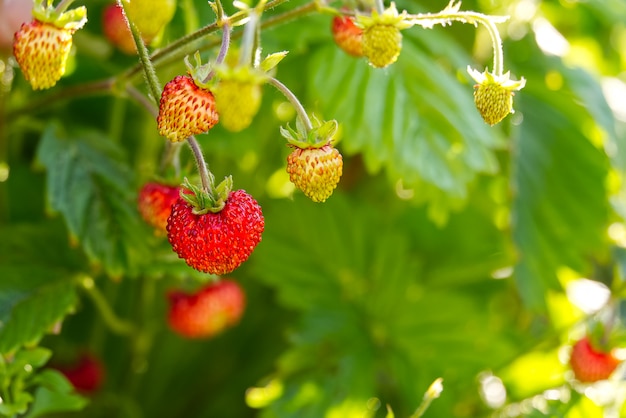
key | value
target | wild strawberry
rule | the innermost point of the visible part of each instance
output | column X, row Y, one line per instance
column 42, row 46
column 216, row 231
column 150, row 16
column 207, row 312
column 493, row 95
column 382, row 40
column 347, row 35
column 315, row 171
column 314, row 165
column 590, row 363
column 185, row 109
column 238, row 96
column 115, row 28
column 155, row 204
column 86, row 375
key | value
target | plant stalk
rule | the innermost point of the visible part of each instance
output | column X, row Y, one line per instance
column 304, row 117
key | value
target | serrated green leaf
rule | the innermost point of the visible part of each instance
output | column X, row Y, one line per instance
column 53, row 393
column 414, row 120
column 38, row 309
column 560, row 207
column 359, row 287
column 91, row 187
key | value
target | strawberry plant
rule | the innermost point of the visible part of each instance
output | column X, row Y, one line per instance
column 312, row 209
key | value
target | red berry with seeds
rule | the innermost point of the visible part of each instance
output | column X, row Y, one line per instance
column 41, row 47
column 185, row 109
column 347, row 35
column 215, row 238
column 207, row 312
column 155, row 204
column 590, row 363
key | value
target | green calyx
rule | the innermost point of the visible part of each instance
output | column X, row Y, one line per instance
column 389, row 17
column 71, row 20
column 243, row 74
column 322, row 133
column 205, row 201
column 201, row 73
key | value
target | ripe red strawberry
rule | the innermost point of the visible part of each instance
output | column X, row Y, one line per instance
column 215, row 240
column 347, row 35
column 86, row 375
column 590, row 363
column 116, row 29
column 315, row 171
column 185, row 109
column 42, row 46
column 155, row 204
column 207, row 312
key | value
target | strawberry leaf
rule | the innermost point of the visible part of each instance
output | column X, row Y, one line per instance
column 89, row 184
column 371, row 272
column 560, row 206
column 54, row 394
column 30, row 308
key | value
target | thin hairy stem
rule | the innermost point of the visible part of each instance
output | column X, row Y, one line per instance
column 304, row 117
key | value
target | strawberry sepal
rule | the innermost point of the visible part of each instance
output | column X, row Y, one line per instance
column 70, row 20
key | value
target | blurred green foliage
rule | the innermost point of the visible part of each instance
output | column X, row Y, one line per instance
column 446, row 251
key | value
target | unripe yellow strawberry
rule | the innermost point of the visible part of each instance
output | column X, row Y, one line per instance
column 382, row 40
column 42, row 46
column 150, row 16
column 238, row 96
column 315, row 171
column 382, row 45
column 493, row 95
column 42, row 49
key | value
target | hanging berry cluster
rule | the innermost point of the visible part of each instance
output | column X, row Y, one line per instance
column 211, row 226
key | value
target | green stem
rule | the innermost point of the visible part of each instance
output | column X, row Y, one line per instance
column 63, row 5
column 140, row 98
column 380, row 6
column 173, row 51
column 451, row 12
column 144, row 59
column 246, row 54
column 115, row 324
column 304, row 117
column 91, row 88
column 221, row 56
column 176, row 49
column 433, row 392
column 206, row 177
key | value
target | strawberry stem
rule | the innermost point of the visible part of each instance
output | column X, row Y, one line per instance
column 63, row 5
column 451, row 12
column 111, row 320
column 206, row 177
column 246, row 55
column 221, row 56
column 144, row 58
column 380, row 6
column 304, row 117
